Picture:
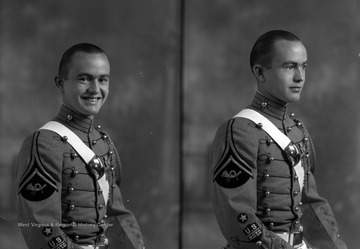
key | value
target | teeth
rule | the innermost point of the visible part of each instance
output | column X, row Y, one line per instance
column 91, row 99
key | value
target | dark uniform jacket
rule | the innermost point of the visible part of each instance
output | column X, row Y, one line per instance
column 255, row 190
column 60, row 202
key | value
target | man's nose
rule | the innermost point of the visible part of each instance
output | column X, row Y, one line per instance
column 299, row 75
column 94, row 86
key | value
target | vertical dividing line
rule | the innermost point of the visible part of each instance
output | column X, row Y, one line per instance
column 181, row 20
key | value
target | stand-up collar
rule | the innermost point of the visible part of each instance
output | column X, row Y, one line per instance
column 269, row 106
column 75, row 119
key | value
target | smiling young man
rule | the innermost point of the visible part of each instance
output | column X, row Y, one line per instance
column 263, row 188
column 85, row 85
column 70, row 198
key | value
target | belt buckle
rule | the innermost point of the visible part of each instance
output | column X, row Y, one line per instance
column 96, row 247
column 296, row 239
column 102, row 247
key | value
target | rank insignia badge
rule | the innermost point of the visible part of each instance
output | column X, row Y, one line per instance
column 231, row 171
column 253, row 232
column 57, row 243
column 36, row 184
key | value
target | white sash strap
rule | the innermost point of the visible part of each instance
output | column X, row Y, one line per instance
column 280, row 138
column 84, row 151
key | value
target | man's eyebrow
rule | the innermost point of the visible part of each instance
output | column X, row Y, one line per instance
column 84, row 74
column 293, row 63
column 92, row 76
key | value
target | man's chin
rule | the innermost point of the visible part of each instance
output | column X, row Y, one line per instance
column 90, row 112
column 294, row 100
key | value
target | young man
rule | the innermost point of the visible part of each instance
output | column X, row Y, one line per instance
column 65, row 200
column 264, row 194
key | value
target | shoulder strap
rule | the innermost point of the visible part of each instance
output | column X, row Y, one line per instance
column 85, row 152
column 280, row 138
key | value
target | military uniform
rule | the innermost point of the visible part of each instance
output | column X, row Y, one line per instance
column 60, row 201
column 257, row 197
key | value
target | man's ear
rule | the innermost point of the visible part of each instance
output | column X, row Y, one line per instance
column 258, row 71
column 59, row 82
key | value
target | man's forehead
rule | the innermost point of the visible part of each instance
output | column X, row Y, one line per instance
column 81, row 59
column 80, row 55
column 290, row 51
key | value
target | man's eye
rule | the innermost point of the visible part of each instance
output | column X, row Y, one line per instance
column 84, row 79
column 290, row 67
column 104, row 80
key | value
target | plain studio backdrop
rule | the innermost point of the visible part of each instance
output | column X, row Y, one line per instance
column 178, row 70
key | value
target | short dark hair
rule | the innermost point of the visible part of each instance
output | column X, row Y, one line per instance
column 67, row 56
column 261, row 52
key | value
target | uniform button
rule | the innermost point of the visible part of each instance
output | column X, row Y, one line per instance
column 71, row 207
column 270, row 225
column 64, row 139
column 296, row 178
column 306, row 139
column 73, row 155
column 105, row 216
column 269, row 160
column 104, row 137
column 266, row 193
column 297, row 209
column 74, row 173
column 110, row 152
column 265, row 177
column 267, row 209
column 112, row 168
column 258, row 243
column 99, row 126
column 69, row 117
column 113, row 186
column 102, row 236
column 269, row 142
column 259, row 125
column 292, row 115
column 100, row 206
column 100, row 191
column 70, row 190
column 93, row 142
column 308, row 172
column 76, row 237
column 101, row 222
column 288, row 129
column 299, row 124
column 296, row 193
